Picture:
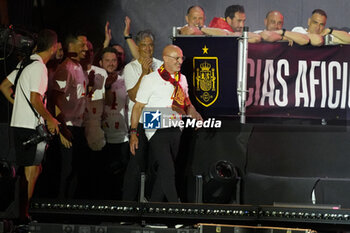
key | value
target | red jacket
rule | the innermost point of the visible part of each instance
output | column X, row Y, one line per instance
column 220, row 23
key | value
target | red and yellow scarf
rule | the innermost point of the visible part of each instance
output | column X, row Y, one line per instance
column 180, row 100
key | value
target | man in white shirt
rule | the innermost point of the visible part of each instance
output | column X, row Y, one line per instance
column 317, row 30
column 31, row 86
column 164, row 89
column 274, row 30
column 95, row 101
column 115, row 125
column 134, row 72
column 115, row 122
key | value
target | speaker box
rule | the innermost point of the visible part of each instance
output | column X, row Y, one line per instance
column 261, row 189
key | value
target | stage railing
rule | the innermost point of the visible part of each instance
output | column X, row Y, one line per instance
column 281, row 81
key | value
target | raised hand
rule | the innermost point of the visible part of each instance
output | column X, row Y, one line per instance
column 108, row 35
column 127, row 22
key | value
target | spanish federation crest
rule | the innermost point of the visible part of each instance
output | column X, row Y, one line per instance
column 206, row 80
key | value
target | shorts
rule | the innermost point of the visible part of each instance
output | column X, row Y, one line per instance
column 29, row 155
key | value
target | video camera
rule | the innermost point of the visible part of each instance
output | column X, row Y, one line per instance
column 18, row 40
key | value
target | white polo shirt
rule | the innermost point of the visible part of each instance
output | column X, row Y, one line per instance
column 157, row 93
column 132, row 73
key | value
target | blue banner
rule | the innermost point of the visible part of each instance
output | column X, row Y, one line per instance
column 211, row 71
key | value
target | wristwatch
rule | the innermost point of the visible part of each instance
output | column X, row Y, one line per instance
column 330, row 31
column 283, row 32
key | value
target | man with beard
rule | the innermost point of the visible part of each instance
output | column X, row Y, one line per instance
column 115, row 126
column 231, row 25
column 70, row 91
column 92, row 123
column 120, row 50
column 95, row 101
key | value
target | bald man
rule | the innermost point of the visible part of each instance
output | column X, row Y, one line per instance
column 274, row 30
column 164, row 91
column 274, row 21
column 195, row 19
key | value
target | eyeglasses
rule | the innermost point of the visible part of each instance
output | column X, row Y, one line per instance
column 177, row 58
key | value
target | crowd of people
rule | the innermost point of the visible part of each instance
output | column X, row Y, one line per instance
column 234, row 19
column 95, row 101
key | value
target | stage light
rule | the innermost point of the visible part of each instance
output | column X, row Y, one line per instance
column 68, row 228
column 219, row 184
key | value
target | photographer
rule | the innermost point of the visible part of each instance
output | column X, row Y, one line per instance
column 29, row 110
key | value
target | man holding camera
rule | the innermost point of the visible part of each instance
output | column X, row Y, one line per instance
column 29, row 110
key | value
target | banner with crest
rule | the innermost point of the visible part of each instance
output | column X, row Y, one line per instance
column 211, row 71
column 282, row 81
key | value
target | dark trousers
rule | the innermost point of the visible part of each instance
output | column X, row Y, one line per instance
column 136, row 165
column 110, row 165
column 163, row 149
column 75, row 167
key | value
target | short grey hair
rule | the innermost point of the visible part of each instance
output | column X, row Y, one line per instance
column 142, row 35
